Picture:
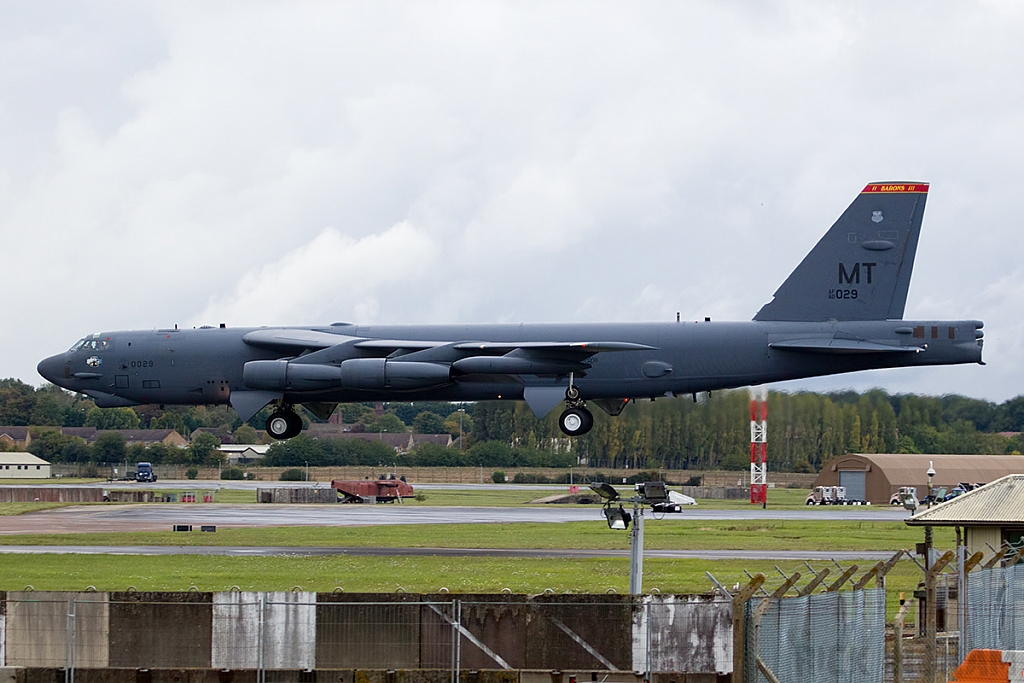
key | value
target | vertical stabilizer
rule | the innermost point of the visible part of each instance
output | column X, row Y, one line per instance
column 860, row 269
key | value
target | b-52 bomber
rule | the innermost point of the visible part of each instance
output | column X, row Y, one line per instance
column 840, row 311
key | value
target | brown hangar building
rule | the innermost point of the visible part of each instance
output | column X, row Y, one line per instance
column 874, row 477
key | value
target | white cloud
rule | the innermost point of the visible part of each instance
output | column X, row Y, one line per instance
column 331, row 276
column 495, row 162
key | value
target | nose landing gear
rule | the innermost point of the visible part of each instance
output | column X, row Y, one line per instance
column 575, row 420
column 284, row 424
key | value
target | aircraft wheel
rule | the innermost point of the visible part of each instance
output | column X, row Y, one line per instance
column 294, row 425
column 576, row 421
column 284, row 424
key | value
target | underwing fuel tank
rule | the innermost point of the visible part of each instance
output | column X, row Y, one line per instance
column 357, row 373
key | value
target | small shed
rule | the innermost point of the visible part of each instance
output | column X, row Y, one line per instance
column 990, row 515
column 23, row 466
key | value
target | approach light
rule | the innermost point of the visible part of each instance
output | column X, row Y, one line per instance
column 617, row 518
column 606, row 491
column 653, row 492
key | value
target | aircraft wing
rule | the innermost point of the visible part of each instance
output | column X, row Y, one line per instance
column 282, row 338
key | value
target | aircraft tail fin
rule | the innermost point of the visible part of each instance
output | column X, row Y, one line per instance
column 860, row 269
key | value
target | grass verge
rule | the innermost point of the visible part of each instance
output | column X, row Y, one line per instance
column 664, row 534
column 387, row 574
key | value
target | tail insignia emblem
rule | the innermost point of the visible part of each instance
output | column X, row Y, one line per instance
column 876, row 216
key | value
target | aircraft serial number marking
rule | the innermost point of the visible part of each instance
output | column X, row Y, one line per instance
column 842, row 294
column 141, row 364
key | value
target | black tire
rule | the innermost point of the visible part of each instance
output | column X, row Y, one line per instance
column 575, row 421
column 294, row 425
column 279, row 425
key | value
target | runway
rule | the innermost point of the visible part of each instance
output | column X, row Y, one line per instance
column 235, row 551
column 160, row 517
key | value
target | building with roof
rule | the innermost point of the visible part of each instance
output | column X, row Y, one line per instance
column 241, row 454
column 168, row 437
column 15, row 437
column 875, row 477
column 23, row 466
column 992, row 515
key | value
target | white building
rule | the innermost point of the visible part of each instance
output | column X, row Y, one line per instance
column 236, row 454
column 23, row 466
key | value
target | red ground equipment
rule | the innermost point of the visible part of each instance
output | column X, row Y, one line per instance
column 372, row 491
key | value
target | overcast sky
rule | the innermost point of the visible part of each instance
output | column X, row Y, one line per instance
column 304, row 163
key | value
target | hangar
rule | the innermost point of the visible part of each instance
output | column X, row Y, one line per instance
column 874, row 477
column 23, row 466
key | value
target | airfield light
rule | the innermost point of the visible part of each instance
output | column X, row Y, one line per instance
column 618, row 519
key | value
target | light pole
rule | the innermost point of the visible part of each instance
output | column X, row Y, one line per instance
column 462, row 411
column 648, row 493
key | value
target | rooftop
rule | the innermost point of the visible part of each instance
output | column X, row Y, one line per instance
column 1000, row 503
column 21, row 459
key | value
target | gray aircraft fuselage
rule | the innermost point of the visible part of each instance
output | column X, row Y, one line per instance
column 203, row 366
column 839, row 311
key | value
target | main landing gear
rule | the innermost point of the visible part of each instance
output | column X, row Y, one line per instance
column 284, row 424
column 575, row 420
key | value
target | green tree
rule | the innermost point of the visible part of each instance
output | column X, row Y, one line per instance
column 170, row 420
column 203, row 449
column 428, row 423
column 246, row 435
column 108, row 448
column 387, row 423
column 47, row 410
column 112, row 418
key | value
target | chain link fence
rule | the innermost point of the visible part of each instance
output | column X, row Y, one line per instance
column 825, row 637
column 995, row 609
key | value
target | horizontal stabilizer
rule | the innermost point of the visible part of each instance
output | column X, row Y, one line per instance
column 840, row 346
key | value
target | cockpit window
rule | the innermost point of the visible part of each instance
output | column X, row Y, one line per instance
column 90, row 345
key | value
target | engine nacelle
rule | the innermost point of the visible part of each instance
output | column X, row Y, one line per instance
column 357, row 373
column 281, row 375
column 380, row 373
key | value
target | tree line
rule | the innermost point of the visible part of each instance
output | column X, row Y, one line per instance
column 805, row 431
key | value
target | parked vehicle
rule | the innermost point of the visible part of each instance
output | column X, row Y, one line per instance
column 898, row 497
column 144, row 473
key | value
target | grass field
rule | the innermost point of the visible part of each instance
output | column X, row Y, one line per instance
column 666, row 534
column 387, row 574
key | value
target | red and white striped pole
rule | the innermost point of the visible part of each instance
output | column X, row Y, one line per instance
column 759, row 450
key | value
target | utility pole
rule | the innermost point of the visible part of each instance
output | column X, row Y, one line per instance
column 636, row 550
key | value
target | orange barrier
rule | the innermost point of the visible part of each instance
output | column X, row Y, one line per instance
column 983, row 666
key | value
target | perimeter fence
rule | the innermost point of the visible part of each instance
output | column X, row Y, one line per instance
column 276, row 634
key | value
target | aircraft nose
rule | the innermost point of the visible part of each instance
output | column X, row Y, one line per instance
column 52, row 368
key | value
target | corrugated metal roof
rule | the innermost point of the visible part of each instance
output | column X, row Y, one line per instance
column 999, row 503
column 905, row 469
column 21, row 459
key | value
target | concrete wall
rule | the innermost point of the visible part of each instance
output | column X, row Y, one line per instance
column 3, row 628
column 296, row 494
column 286, row 630
column 161, row 629
column 296, row 631
column 356, row 630
column 684, row 633
column 50, row 494
column 37, row 628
